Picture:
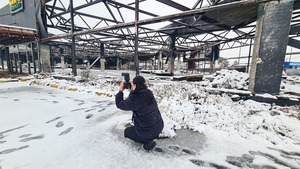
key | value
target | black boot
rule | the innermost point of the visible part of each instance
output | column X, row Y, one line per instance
column 149, row 145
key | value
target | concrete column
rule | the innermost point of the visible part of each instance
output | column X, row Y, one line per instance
column 171, row 64
column 178, row 63
column 102, row 64
column 33, row 57
column 8, row 60
column 173, row 54
column 27, row 60
column 20, row 65
column 271, row 38
column 19, row 60
column 102, row 57
column 88, row 61
column 62, row 62
column 160, row 61
column 62, row 58
column 118, row 63
column 52, row 59
column 45, row 58
column 16, row 62
column 2, row 58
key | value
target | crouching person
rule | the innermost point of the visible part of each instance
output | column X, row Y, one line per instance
column 147, row 119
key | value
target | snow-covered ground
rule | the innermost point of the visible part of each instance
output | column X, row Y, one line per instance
column 50, row 123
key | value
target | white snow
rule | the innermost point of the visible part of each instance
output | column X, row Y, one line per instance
column 245, row 127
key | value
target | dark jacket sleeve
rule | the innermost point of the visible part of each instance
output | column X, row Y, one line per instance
column 124, row 104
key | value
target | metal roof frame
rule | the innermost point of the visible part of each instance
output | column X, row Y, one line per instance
column 198, row 27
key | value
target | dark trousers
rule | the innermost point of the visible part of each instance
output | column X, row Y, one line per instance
column 131, row 134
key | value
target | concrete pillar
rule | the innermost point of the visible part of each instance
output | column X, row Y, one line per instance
column 16, row 62
column 52, row 59
column 102, row 64
column 271, row 38
column 88, row 62
column 27, row 60
column 160, row 61
column 173, row 54
column 118, row 63
column 62, row 58
column 45, row 58
column 102, row 57
column 20, row 66
column 19, row 61
column 8, row 60
column 2, row 58
column 212, row 67
column 178, row 63
column 62, row 62
column 33, row 57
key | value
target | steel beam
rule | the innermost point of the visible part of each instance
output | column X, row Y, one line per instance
column 294, row 43
column 162, row 18
column 174, row 5
column 136, row 40
column 73, row 54
column 77, row 8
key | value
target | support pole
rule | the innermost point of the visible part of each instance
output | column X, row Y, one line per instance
column 2, row 58
column 33, row 57
column 52, row 59
column 173, row 54
column 249, row 56
column 20, row 65
column 160, row 61
column 74, row 70
column 102, row 57
column 136, row 38
column 19, row 60
column 16, row 62
column 45, row 58
column 27, row 59
column 179, row 63
column 8, row 60
column 38, row 46
column 62, row 58
column 270, row 46
column 118, row 63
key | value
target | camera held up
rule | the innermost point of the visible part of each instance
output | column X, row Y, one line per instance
column 127, row 84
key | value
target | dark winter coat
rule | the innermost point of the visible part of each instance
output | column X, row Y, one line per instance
column 146, row 115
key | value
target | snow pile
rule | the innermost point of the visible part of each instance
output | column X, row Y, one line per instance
column 230, row 79
column 189, row 106
column 294, row 79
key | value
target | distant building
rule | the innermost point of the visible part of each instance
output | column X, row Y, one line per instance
column 292, row 68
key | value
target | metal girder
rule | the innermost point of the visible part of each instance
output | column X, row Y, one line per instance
column 162, row 18
column 117, row 34
column 131, row 8
column 295, row 30
column 80, row 13
column 294, row 43
column 174, row 5
column 77, row 8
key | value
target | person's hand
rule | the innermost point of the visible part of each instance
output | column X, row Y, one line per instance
column 121, row 88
